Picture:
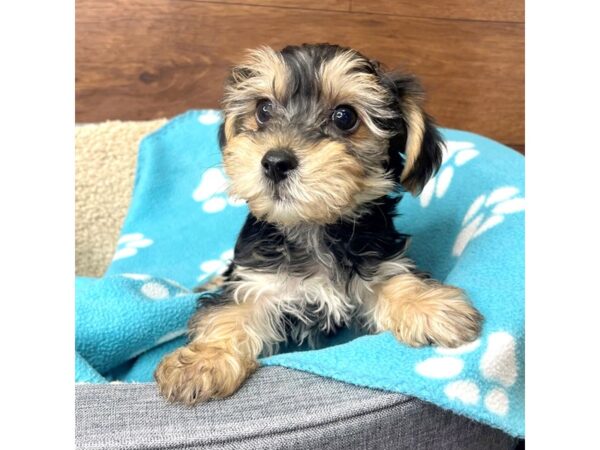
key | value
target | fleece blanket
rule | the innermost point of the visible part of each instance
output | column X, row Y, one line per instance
column 467, row 228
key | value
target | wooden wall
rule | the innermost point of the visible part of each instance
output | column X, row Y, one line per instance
column 144, row 59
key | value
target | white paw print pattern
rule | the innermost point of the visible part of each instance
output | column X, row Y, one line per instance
column 157, row 289
column 456, row 154
column 210, row 117
column 211, row 192
column 129, row 244
column 214, row 267
column 154, row 289
column 498, row 365
column 485, row 213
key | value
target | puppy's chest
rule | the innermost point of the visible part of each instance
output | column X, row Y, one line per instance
column 315, row 278
column 307, row 284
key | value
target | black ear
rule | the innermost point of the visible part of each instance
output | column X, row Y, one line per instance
column 222, row 138
column 417, row 139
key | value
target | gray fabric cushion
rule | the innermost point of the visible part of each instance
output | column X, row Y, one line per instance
column 277, row 408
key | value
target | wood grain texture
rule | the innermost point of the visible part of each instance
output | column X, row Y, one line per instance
column 519, row 147
column 331, row 5
column 138, row 60
column 492, row 10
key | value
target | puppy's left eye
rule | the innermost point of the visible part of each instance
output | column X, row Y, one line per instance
column 344, row 117
column 264, row 111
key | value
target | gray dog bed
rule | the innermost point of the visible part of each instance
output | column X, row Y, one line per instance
column 277, row 408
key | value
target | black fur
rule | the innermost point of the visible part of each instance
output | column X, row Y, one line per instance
column 222, row 138
column 358, row 247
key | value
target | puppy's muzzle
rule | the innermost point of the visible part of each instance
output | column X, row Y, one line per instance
column 278, row 163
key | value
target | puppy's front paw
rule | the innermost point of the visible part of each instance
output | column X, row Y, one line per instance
column 449, row 322
column 200, row 372
column 422, row 312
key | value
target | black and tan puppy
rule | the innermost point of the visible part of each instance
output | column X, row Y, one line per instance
column 321, row 142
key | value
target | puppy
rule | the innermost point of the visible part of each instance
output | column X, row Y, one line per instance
column 321, row 143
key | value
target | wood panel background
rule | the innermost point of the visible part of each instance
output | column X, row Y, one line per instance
column 145, row 59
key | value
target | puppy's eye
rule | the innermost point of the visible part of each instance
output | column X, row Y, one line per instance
column 344, row 117
column 264, row 111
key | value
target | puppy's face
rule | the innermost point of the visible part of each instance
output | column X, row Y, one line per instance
column 316, row 133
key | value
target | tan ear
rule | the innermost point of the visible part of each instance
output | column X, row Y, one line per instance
column 415, row 128
column 423, row 150
column 419, row 142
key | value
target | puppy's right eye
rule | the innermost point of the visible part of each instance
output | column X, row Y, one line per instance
column 264, row 111
column 345, row 118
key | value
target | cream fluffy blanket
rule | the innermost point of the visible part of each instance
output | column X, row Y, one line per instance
column 105, row 158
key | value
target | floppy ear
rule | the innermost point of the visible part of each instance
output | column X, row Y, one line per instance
column 418, row 138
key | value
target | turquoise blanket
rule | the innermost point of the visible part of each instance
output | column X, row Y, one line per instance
column 467, row 229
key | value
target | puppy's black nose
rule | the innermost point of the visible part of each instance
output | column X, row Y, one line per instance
column 278, row 163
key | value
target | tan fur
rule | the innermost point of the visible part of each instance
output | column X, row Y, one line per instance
column 342, row 84
column 416, row 128
column 423, row 311
column 199, row 372
column 211, row 285
column 364, row 135
column 221, row 356
column 328, row 175
column 229, row 127
column 271, row 69
column 262, row 75
column 281, row 294
column 337, row 191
